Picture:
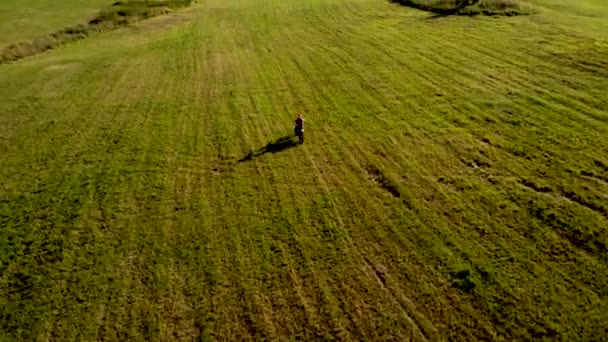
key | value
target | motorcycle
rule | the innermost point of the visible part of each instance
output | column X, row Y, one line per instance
column 300, row 134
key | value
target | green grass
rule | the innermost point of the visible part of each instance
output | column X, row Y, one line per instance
column 452, row 184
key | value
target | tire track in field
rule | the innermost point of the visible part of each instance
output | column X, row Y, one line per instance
column 252, row 323
column 226, row 246
column 202, row 270
column 324, row 183
column 312, row 161
column 94, row 205
column 268, row 314
column 286, row 323
column 259, row 305
column 327, row 294
column 204, row 237
column 110, row 309
column 138, row 246
column 524, row 85
column 422, row 49
column 519, row 82
column 184, row 180
column 380, row 97
column 77, row 172
column 385, row 92
column 413, row 326
column 131, row 239
column 263, row 132
column 494, row 61
column 408, row 311
column 248, row 256
column 303, row 295
column 291, row 180
column 312, row 234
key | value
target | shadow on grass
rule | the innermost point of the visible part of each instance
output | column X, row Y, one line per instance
column 444, row 8
column 278, row 145
column 441, row 11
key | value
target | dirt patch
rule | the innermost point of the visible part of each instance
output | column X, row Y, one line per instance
column 593, row 175
column 586, row 202
column 219, row 63
column 601, row 165
column 380, row 272
column 378, row 177
column 532, row 185
column 162, row 22
column 120, row 14
column 582, row 234
column 477, row 163
column 62, row 67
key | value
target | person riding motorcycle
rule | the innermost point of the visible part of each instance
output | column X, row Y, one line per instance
column 299, row 128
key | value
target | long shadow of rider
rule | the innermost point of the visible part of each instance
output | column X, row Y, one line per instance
column 281, row 144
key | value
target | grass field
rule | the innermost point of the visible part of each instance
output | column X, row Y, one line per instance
column 453, row 183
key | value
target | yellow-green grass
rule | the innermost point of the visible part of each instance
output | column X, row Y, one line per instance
column 452, row 184
column 22, row 20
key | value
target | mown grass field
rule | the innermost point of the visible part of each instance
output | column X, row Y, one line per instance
column 453, row 183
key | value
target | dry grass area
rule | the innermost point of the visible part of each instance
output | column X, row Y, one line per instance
column 119, row 14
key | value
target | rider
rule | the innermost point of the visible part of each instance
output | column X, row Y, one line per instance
column 299, row 128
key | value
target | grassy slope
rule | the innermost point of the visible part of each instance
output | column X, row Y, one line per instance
column 125, row 214
column 28, row 19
